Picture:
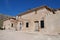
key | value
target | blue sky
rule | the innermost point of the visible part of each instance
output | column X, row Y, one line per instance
column 14, row 7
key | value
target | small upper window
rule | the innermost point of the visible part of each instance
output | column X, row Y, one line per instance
column 36, row 21
column 20, row 23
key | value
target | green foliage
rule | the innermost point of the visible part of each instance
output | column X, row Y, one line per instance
column 1, row 24
column 1, row 28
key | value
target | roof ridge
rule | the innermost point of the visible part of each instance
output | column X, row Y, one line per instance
column 37, row 8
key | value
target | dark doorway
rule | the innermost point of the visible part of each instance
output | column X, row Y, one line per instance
column 20, row 25
column 42, row 23
column 36, row 25
column 12, row 25
column 27, row 24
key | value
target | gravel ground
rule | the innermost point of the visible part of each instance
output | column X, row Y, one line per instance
column 17, row 35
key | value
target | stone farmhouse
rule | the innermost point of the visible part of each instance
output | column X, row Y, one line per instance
column 40, row 19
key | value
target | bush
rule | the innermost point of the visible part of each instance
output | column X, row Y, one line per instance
column 1, row 28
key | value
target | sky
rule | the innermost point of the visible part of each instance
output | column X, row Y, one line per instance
column 15, row 7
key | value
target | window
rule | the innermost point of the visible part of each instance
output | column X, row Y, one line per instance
column 42, row 23
column 27, row 24
column 12, row 25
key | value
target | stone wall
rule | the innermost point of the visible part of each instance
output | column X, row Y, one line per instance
column 52, row 23
column 31, row 17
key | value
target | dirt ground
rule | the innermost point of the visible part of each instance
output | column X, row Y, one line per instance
column 17, row 35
